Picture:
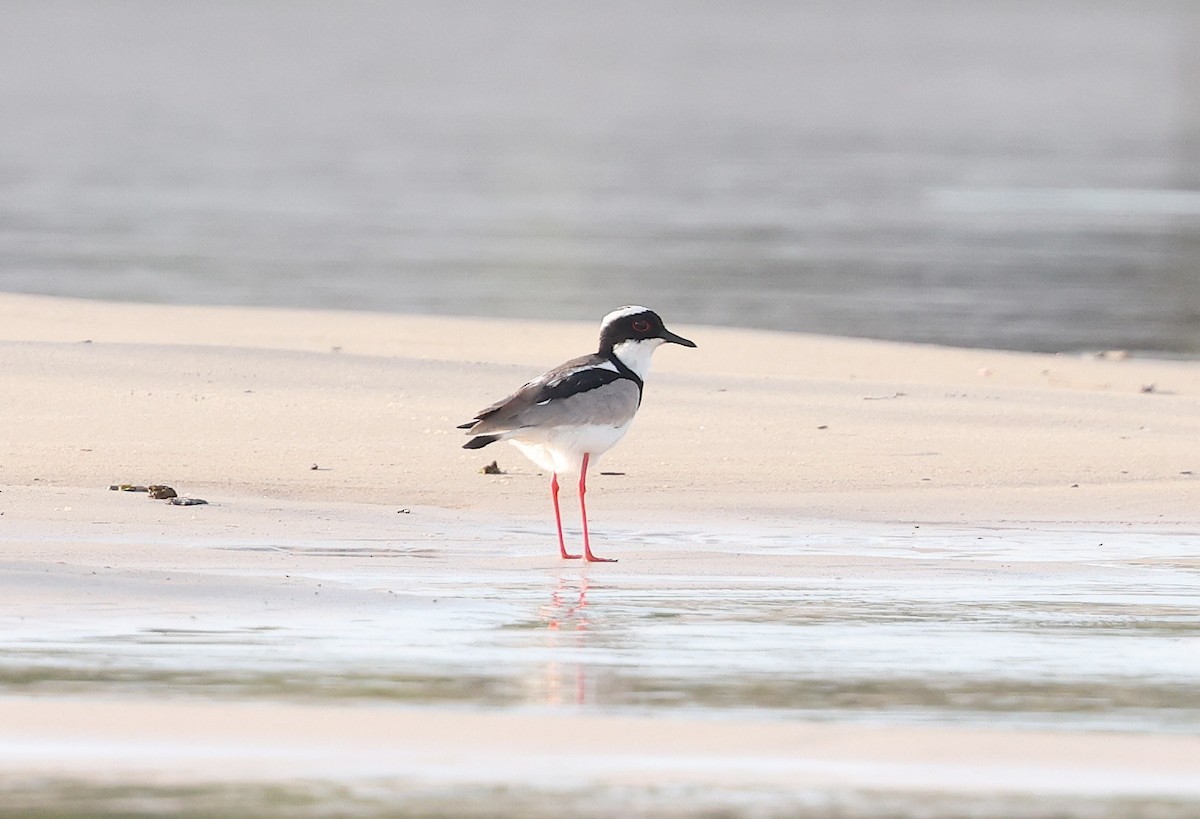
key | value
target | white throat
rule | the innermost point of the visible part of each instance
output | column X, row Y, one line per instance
column 635, row 354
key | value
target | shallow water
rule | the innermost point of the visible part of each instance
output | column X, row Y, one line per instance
column 61, row 800
column 1056, row 628
column 1007, row 175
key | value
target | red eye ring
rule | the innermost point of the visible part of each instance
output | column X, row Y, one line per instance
column 641, row 326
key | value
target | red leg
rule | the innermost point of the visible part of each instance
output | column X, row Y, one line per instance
column 562, row 546
column 587, row 546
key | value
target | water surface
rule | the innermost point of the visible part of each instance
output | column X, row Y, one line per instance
column 1052, row 629
column 1012, row 175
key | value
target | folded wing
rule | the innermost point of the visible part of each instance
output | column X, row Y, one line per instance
column 582, row 392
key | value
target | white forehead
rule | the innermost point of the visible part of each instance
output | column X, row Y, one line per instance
column 622, row 312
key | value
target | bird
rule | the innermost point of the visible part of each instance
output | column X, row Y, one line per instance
column 569, row 416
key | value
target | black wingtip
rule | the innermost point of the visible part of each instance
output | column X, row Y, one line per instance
column 480, row 441
column 467, row 425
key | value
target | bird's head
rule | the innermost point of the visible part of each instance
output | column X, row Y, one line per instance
column 632, row 333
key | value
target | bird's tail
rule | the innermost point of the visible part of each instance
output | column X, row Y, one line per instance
column 480, row 441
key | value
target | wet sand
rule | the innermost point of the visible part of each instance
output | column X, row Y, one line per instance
column 443, row 657
column 793, row 627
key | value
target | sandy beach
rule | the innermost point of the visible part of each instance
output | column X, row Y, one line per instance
column 1010, row 539
column 753, row 425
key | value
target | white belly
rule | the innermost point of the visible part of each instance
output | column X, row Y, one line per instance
column 561, row 450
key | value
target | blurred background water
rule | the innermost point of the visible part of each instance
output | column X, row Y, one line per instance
column 1019, row 175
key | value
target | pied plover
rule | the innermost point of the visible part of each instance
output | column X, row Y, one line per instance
column 566, row 418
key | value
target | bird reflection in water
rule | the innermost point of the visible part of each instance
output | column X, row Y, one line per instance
column 566, row 619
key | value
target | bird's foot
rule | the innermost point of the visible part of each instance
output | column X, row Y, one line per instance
column 591, row 558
